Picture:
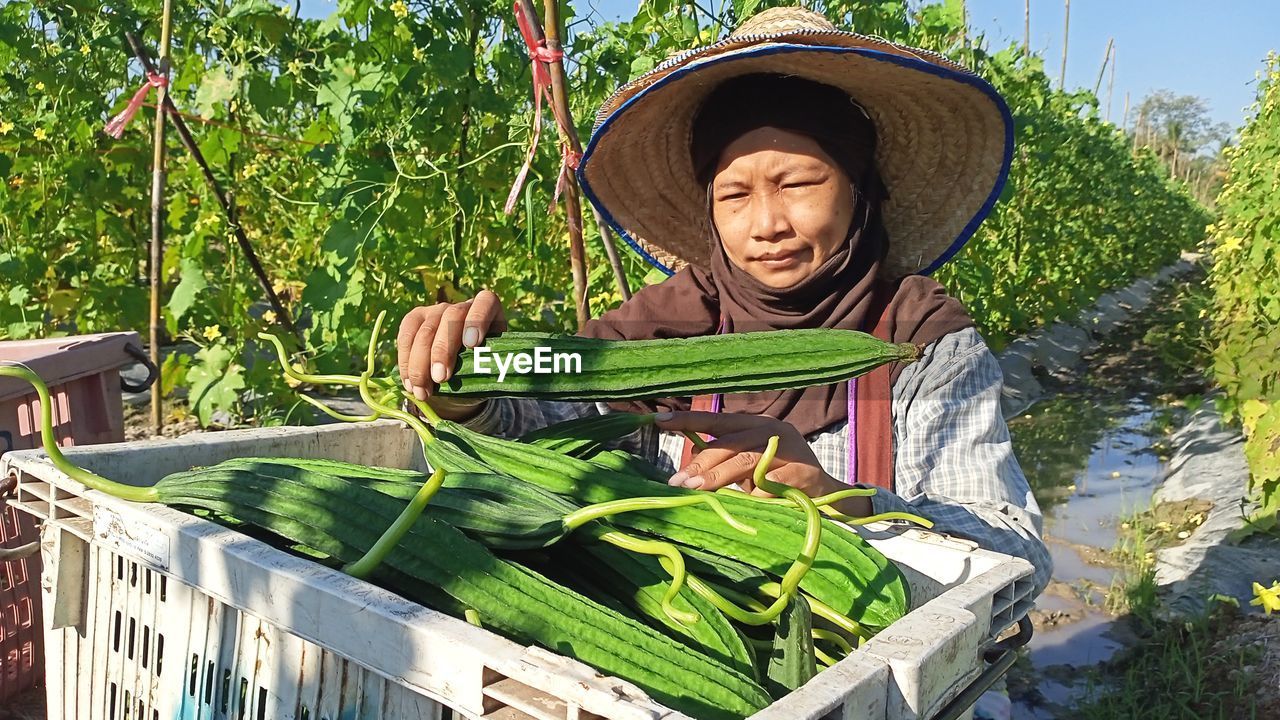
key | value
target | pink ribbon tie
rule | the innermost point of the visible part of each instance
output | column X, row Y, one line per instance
column 115, row 128
column 541, row 57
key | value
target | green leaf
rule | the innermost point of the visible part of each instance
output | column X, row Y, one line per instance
column 215, row 382
column 190, row 285
column 215, row 91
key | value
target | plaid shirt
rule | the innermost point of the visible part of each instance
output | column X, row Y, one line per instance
column 953, row 460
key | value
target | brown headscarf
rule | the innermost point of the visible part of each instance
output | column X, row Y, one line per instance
column 847, row 291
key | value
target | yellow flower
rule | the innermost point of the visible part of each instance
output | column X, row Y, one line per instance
column 279, row 287
column 269, row 317
column 1268, row 598
column 212, row 332
column 400, row 9
column 5, row 127
column 40, row 134
column 40, row 87
column 85, row 49
column 419, row 54
column 1231, row 244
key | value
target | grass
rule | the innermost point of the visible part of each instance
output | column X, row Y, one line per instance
column 1175, row 669
column 1178, row 671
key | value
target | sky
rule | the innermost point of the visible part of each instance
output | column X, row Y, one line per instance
column 1211, row 49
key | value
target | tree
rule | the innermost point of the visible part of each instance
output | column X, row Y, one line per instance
column 1178, row 127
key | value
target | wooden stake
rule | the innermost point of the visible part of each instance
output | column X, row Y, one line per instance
column 572, row 205
column 157, row 224
column 184, row 134
column 1066, row 31
column 1026, row 29
column 1106, row 56
column 1111, row 82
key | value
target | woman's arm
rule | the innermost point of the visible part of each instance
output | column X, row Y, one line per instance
column 954, row 461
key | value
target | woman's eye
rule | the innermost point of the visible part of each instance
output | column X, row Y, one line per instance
column 800, row 184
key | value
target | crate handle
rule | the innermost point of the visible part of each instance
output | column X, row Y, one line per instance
column 1000, row 658
column 152, row 371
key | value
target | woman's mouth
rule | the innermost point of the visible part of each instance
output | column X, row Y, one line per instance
column 778, row 260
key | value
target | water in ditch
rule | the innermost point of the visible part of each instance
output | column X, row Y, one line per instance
column 1094, row 453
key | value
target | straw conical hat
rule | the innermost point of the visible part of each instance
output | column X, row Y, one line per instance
column 945, row 138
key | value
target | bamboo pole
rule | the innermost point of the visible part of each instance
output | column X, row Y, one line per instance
column 156, row 251
column 1066, row 31
column 282, row 313
column 1111, row 82
column 572, row 204
column 1124, row 122
column 1106, row 57
column 1026, row 29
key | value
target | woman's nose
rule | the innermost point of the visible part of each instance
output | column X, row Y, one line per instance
column 768, row 217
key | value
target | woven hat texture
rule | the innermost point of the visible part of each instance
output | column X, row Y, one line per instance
column 945, row 138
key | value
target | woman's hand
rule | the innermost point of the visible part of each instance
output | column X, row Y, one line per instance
column 740, row 441
column 430, row 339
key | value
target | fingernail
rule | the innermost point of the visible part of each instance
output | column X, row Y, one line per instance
column 419, row 393
column 437, row 372
column 471, row 336
column 408, row 386
column 694, row 482
column 663, row 416
column 678, row 479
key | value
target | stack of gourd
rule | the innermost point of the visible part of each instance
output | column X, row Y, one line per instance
column 715, row 604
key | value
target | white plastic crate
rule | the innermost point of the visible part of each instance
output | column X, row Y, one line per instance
column 154, row 614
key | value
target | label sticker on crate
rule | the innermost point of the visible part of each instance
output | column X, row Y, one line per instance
column 133, row 536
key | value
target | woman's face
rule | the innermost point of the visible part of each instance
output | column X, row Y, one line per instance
column 781, row 204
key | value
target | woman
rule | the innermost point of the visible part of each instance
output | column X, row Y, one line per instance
column 786, row 203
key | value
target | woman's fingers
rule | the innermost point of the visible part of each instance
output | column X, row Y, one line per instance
column 431, row 337
column 417, row 368
column 484, row 316
column 727, row 460
column 448, row 342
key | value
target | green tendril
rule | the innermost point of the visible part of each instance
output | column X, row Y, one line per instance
column 341, row 417
column 696, row 439
column 822, row 610
column 395, row 533
column 892, row 515
column 671, row 559
column 813, row 519
column 133, row 493
column 823, row 659
column 585, row 515
column 834, row 638
column 732, row 603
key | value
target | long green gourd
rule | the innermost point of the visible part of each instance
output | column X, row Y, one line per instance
column 791, row 660
column 579, row 436
column 593, row 369
column 848, row 574
column 641, row 583
column 341, row 518
column 317, row 513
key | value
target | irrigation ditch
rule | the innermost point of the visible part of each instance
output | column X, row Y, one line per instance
column 1141, row 487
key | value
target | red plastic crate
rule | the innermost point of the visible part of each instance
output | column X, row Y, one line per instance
column 83, row 375
column 21, row 633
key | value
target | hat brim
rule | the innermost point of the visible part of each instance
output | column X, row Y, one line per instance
column 944, row 150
